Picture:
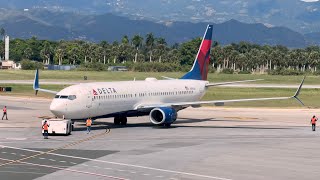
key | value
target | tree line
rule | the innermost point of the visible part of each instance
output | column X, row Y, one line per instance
column 150, row 52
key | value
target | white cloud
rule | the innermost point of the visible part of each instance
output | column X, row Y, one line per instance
column 310, row 0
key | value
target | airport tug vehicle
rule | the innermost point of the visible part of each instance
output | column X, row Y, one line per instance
column 58, row 126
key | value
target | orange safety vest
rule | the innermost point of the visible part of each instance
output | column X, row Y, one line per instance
column 88, row 122
column 313, row 120
column 5, row 110
column 45, row 127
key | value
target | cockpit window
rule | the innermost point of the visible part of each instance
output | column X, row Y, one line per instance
column 72, row 97
column 63, row 97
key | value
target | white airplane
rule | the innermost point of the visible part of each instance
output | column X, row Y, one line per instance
column 160, row 99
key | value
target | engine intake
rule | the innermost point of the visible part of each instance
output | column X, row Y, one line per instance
column 163, row 115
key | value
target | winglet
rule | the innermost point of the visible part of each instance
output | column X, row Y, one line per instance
column 36, row 85
column 298, row 92
column 36, row 81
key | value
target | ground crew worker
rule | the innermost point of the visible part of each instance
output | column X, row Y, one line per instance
column 88, row 124
column 5, row 112
column 45, row 128
column 313, row 122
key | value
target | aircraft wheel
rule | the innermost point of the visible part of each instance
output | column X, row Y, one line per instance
column 124, row 120
column 117, row 121
column 167, row 125
column 72, row 125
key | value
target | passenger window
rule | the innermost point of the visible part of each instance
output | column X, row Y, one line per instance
column 57, row 96
column 63, row 97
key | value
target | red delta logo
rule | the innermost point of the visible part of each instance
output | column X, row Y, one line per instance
column 95, row 92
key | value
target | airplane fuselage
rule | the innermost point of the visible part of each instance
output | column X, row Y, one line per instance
column 106, row 98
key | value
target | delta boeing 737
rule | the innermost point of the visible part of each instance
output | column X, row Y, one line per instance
column 160, row 99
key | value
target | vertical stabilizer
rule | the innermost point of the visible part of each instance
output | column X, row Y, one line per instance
column 200, row 66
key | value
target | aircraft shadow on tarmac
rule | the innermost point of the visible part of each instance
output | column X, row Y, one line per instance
column 180, row 123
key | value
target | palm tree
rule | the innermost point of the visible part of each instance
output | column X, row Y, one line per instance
column 105, row 48
column 85, row 49
column 60, row 52
column 99, row 52
column 234, row 58
column 137, row 43
column 161, row 46
column 115, row 51
column 226, row 56
column 46, row 52
column 27, row 53
column 92, row 54
column 125, row 40
column 150, row 44
column 217, row 57
column 73, row 54
column 314, row 57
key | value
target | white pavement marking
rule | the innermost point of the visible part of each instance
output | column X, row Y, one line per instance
column 52, row 160
column 13, row 153
column 3, row 152
column 84, row 165
column 108, row 168
column 120, row 170
column 42, row 158
column 71, row 170
column 18, row 139
column 133, row 172
column 96, row 167
column 146, row 174
column 22, row 155
column 72, row 163
column 18, row 172
column 62, row 161
column 122, row 164
column 159, row 176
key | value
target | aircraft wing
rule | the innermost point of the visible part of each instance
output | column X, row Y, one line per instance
column 233, row 82
column 220, row 102
column 36, row 86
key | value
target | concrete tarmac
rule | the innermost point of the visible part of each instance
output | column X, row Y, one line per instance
column 204, row 143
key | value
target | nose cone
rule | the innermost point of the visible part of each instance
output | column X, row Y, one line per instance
column 58, row 108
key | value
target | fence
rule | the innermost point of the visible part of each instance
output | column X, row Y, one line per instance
column 61, row 67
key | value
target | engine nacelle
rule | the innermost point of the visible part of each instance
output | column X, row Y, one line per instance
column 163, row 115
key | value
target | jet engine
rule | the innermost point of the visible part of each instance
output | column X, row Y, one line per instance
column 163, row 116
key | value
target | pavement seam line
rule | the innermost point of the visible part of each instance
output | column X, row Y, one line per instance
column 124, row 164
column 71, row 170
column 63, row 147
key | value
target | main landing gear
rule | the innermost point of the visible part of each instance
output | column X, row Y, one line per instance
column 120, row 120
column 167, row 125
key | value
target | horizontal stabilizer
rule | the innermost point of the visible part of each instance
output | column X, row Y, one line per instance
column 233, row 82
column 168, row 78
